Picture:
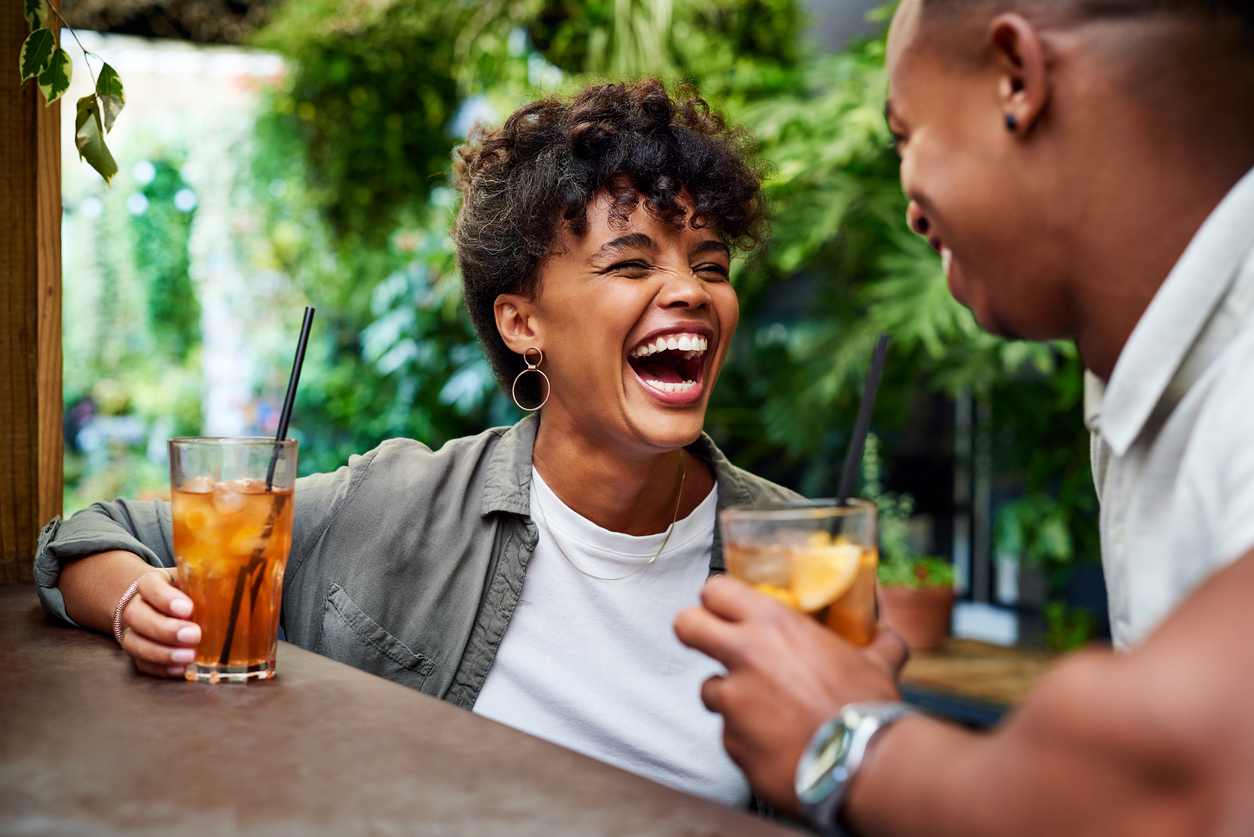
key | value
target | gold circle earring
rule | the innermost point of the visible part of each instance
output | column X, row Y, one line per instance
column 531, row 367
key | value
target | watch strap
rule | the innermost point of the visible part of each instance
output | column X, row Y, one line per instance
column 821, row 799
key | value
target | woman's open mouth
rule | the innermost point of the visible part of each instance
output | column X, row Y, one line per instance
column 671, row 366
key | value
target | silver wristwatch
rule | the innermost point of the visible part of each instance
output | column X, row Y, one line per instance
column 833, row 756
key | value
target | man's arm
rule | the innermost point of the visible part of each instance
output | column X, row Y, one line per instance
column 1158, row 741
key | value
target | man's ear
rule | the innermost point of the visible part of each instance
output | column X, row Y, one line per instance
column 515, row 320
column 1023, row 90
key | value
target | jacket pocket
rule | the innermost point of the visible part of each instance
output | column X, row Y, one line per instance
column 352, row 637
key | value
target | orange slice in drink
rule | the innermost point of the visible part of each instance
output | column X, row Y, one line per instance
column 783, row 594
column 822, row 574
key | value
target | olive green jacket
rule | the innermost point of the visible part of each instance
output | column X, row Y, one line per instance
column 406, row 563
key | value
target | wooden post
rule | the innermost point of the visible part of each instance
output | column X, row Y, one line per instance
column 30, row 306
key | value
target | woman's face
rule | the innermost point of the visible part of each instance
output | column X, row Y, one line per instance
column 634, row 322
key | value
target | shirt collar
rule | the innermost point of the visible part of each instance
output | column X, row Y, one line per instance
column 1175, row 318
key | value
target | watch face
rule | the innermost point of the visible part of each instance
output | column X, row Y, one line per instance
column 816, row 778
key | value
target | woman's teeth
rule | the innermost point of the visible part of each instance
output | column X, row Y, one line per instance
column 691, row 344
column 683, row 386
column 947, row 259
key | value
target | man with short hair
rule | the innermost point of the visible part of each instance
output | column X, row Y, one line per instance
column 1084, row 168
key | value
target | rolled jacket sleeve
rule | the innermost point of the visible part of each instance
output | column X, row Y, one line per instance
column 146, row 528
column 143, row 528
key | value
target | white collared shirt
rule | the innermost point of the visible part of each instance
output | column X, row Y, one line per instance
column 1173, row 430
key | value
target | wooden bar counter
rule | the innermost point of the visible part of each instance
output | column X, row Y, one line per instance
column 88, row 746
column 970, row 682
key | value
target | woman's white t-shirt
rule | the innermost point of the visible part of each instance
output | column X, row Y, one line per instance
column 595, row 666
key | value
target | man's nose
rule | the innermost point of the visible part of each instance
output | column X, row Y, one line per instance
column 917, row 220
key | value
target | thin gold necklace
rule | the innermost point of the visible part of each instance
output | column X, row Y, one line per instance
column 683, row 474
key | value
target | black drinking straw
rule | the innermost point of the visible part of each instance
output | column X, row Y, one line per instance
column 286, row 415
column 856, row 442
column 256, row 562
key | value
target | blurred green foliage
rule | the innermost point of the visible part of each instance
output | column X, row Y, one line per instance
column 1067, row 628
column 132, row 338
column 161, row 233
column 350, row 166
column 367, row 110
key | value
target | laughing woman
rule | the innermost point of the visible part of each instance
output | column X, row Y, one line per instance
column 530, row 573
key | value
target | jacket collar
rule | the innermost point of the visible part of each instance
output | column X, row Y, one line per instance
column 1174, row 321
column 508, row 485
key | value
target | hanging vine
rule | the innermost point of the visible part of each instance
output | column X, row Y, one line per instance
column 43, row 60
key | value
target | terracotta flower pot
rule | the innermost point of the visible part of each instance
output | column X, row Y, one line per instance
column 921, row 617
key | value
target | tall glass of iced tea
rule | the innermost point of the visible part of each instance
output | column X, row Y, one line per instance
column 815, row 555
column 232, row 506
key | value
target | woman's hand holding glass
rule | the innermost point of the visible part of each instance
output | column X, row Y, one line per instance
column 156, row 627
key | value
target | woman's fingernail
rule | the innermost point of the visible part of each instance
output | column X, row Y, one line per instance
column 183, row 655
column 189, row 635
column 181, row 607
column 176, row 671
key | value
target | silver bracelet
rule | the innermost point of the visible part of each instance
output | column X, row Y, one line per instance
column 122, row 603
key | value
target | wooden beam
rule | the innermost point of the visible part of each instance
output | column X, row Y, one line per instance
column 30, row 307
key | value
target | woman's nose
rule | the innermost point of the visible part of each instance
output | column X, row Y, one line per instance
column 916, row 219
column 684, row 289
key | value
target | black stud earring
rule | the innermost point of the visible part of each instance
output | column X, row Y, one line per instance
column 1012, row 122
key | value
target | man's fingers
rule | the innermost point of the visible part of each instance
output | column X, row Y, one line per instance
column 159, row 590
column 712, row 693
column 888, row 649
column 698, row 628
column 150, row 623
column 734, row 600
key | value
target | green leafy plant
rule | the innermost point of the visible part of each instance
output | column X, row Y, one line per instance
column 899, row 566
column 918, row 573
column 43, row 60
column 1067, row 628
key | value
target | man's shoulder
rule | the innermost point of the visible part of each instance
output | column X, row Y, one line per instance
column 1228, row 399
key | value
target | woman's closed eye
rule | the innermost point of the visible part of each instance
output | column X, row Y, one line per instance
column 632, row 268
column 711, row 271
column 637, row 269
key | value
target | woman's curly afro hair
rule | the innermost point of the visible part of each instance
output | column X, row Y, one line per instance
column 539, row 172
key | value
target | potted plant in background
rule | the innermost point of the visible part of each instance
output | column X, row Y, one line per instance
column 916, row 598
column 916, row 592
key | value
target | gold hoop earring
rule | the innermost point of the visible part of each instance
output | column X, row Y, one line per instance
column 531, row 367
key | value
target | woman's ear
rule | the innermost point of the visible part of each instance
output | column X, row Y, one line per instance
column 1023, row 89
column 516, row 322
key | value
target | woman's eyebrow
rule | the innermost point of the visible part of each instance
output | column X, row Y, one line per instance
column 712, row 246
column 632, row 241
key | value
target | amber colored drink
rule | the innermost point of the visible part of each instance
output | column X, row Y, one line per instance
column 231, row 542
column 814, row 556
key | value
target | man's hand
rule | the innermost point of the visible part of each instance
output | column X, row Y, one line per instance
column 786, row 675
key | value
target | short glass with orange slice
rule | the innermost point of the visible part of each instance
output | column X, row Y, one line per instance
column 816, row 556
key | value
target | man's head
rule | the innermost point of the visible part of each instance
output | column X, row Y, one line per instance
column 1061, row 153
